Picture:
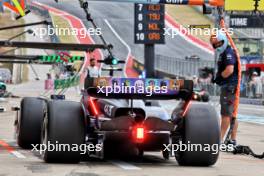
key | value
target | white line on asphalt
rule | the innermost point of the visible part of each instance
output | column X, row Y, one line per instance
column 18, row 155
column 124, row 165
column 10, row 149
column 122, row 41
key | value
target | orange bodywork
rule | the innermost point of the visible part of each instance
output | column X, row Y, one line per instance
column 211, row 2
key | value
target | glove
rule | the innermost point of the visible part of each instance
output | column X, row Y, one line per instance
column 218, row 79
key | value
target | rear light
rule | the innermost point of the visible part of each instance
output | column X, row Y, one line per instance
column 186, row 108
column 93, row 107
column 138, row 134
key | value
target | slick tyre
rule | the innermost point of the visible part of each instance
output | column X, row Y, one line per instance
column 63, row 132
column 30, row 121
column 201, row 128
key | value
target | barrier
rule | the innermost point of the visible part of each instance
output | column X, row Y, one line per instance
column 169, row 67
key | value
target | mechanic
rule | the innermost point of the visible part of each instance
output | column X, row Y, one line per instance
column 227, row 79
column 93, row 71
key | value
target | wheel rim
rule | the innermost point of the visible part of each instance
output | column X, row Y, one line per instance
column 44, row 136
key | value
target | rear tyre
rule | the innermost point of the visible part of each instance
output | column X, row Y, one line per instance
column 29, row 122
column 64, row 127
column 201, row 128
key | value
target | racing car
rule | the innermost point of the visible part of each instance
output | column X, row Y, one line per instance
column 130, row 117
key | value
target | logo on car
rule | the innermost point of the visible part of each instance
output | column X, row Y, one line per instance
column 108, row 109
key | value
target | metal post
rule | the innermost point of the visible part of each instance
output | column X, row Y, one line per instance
column 34, row 71
column 111, row 72
column 150, row 60
column 26, row 25
column 216, row 25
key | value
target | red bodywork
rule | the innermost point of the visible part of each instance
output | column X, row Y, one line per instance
column 251, row 66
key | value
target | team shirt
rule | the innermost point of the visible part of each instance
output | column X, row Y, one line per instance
column 227, row 58
column 93, row 72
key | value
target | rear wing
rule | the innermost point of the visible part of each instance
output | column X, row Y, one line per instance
column 136, row 88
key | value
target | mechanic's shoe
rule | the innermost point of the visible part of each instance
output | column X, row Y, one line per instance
column 232, row 142
column 229, row 146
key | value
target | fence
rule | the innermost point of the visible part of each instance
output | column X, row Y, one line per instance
column 255, row 91
column 180, row 67
column 189, row 68
column 250, row 32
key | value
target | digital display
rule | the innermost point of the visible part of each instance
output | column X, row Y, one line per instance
column 149, row 23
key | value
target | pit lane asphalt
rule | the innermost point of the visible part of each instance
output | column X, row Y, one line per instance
column 121, row 18
column 152, row 163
